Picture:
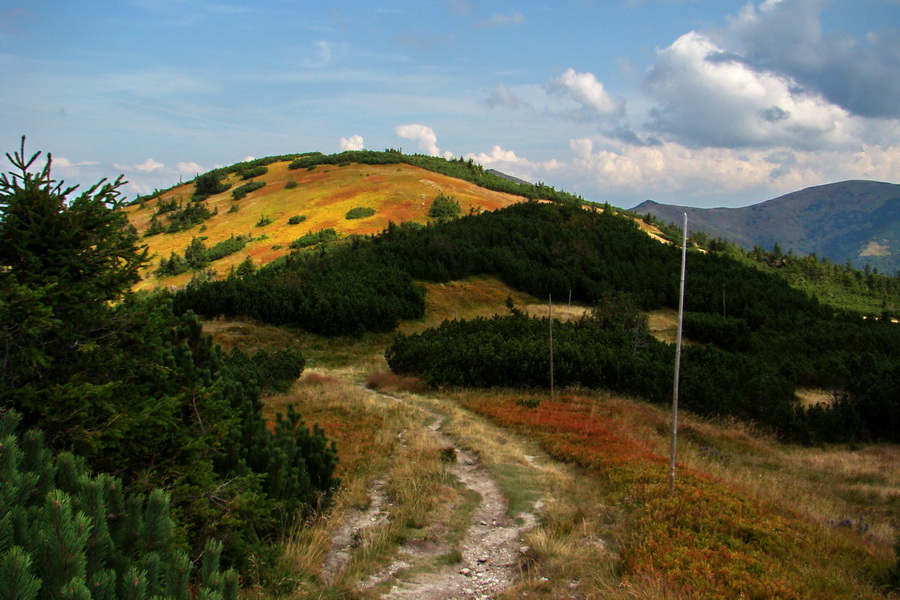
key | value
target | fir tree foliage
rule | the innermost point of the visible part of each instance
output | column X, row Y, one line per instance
column 80, row 535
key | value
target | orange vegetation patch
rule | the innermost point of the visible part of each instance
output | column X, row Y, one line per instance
column 383, row 380
column 709, row 540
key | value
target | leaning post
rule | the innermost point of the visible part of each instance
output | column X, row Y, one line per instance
column 673, row 451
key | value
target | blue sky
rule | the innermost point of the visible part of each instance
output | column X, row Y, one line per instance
column 703, row 102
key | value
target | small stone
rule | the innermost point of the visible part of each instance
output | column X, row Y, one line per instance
column 484, row 523
column 466, row 572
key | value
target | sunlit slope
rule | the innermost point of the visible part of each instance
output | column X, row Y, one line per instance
column 397, row 192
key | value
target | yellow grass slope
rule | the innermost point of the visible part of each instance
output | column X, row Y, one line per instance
column 398, row 193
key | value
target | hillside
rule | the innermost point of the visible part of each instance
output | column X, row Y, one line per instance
column 851, row 221
column 142, row 459
column 323, row 195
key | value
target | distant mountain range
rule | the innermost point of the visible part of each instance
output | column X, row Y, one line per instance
column 850, row 221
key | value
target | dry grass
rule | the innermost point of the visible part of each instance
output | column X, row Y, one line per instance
column 377, row 438
column 588, row 536
column 731, row 479
column 810, row 397
column 388, row 382
column 479, row 296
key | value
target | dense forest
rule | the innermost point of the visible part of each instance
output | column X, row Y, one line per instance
column 130, row 445
column 769, row 339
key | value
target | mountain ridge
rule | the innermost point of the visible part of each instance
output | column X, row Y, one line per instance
column 855, row 221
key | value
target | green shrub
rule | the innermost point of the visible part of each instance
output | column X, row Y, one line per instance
column 209, row 184
column 164, row 206
column 263, row 221
column 241, row 191
column 296, row 219
column 172, row 266
column 226, row 247
column 86, row 536
column 311, row 239
column 192, row 214
column 156, row 227
column 444, row 207
column 254, row 172
column 234, row 208
column 290, row 185
column 360, row 212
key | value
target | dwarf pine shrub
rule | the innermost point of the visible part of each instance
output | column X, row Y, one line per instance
column 66, row 533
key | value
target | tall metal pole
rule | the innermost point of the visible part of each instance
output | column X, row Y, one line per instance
column 550, row 304
column 677, row 365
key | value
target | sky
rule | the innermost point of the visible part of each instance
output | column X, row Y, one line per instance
column 694, row 102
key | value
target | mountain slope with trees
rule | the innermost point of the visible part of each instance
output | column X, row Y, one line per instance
column 773, row 339
column 856, row 222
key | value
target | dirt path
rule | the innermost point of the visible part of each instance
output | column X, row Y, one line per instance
column 489, row 550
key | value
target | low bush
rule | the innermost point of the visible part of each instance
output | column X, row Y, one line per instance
column 311, row 239
column 296, row 219
column 72, row 534
column 263, row 221
column 254, row 172
column 245, row 189
column 227, row 247
column 444, row 207
column 360, row 212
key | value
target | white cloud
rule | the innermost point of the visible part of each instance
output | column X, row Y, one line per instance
column 707, row 96
column 424, row 137
column 149, row 165
column 188, row 168
column 508, row 162
column 65, row 163
column 603, row 168
column 355, row 142
column 589, row 92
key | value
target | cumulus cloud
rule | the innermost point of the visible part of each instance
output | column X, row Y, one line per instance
column 65, row 163
column 589, row 92
column 706, row 97
column 787, row 37
column 424, row 137
column 355, row 142
column 605, row 168
column 508, row 162
column 149, row 165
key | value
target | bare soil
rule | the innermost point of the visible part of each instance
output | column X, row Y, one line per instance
column 489, row 553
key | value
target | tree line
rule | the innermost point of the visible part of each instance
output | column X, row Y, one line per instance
column 759, row 338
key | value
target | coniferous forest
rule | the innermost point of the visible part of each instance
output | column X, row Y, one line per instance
column 746, row 363
column 135, row 459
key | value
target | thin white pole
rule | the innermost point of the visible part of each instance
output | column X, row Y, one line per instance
column 550, row 304
column 677, row 365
